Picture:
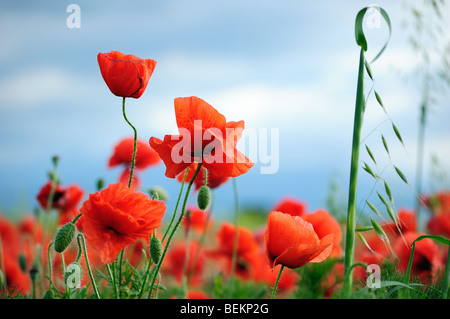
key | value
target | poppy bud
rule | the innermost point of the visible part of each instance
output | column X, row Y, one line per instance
column 34, row 272
column 64, row 237
column 203, row 197
column 155, row 249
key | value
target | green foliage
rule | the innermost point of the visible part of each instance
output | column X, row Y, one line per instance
column 313, row 279
column 236, row 288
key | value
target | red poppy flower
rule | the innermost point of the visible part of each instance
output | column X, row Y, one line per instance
column 247, row 261
column 213, row 181
column 117, row 217
column 175, row 258
column 65, row 198
column 204, row 136
column 292, row 242
column 325, row 224
column 123, row 155
column 288, row 280
column 406, row 221
column 427, row 259
column 125, row 75
column 197, row 219
column 291, row 205
column 192, row 294
column 439, row 205
column 10, row 238
column 16, row 279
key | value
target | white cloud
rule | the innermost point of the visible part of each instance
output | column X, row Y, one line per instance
column 29, row 89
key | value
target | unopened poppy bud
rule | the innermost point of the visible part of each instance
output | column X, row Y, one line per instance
column 55, row 160
column 100, row 184
column 203, row 197
column 64, row 237
column 34, row 273
column 155, row 249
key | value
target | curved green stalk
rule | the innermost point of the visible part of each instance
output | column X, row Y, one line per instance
column 134, row 145
column 176, row 206
column 158, row 266
column 88, row 266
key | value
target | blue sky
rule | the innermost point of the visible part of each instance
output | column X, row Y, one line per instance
column 284, row 65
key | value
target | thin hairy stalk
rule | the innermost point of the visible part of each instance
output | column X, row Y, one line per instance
column 134, row 144
column 202, row 238
column 176, row 206
column 185, row 282
column 158, row 266
column 113, row 280
column 88, row 266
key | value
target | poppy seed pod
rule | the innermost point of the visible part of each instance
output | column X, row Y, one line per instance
column 203, row 197
column 155, row 249
column 64, row 237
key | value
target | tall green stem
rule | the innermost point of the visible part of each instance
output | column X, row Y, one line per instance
column 351, row 213
column 88, row 266
column 203, row 237
column 276, row 282
column 158, row 266
column 185, row 282
column 176, row 206
column 134, row 145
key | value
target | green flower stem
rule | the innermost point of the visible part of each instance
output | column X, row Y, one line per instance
column 203, row 237
column 276, row 282
column 134, row 145
column 158, row 266
column 185, row 282
column 2, row 268
column 94, row 285
column 52, row 285
column 63, row 263
column 236, row 225
column 119, row 278
column 133, row 160
column 113, row 280
column 144, row 281
column 176, row 206
column 351, row 213
column 446, row 281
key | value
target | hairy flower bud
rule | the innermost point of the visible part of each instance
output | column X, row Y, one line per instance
column 64, row 237
column 155, row 249
column 203, row 197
